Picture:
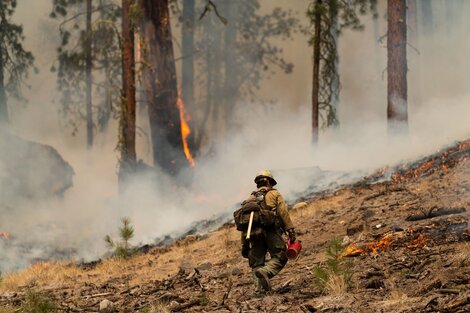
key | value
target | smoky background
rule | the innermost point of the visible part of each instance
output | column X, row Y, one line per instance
column 275, row 136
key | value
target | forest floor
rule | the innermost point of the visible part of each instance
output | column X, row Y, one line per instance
column 408, row 241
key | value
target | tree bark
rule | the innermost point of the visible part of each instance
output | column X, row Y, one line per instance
column 88, row 65
column 316, row 73
column 335, row 85
column 397, row 88
column 161, row 87
column 3, row 98
column 231, row 74
column 128, row 154
column 188, row 52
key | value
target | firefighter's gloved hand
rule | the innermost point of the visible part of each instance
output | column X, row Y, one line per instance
column 292, row 234
column 245, row 249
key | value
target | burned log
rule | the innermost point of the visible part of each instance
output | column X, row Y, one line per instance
column 29, row 170
column 434, row 212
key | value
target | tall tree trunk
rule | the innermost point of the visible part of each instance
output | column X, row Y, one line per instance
column 397, row 88
column 3, row 98
column 333, row 14
column 88, row 65
column 316, row 72
column 188, row 52
column 427, row 17
column 128, row 154
column 231, row 75
column 161, row 88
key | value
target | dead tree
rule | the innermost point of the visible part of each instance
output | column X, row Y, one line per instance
column 88, row 68
column 397, row 88
column 161, row 87
column 316, row 73
column 127, row 123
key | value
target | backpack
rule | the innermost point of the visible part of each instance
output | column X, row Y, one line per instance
column 262, row 218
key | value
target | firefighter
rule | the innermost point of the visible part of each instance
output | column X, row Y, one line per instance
column 271, row 241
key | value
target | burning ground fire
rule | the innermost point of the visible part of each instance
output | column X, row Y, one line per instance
column 185, row 130
column 441, row 161
column 439, row 232
column 408, row 239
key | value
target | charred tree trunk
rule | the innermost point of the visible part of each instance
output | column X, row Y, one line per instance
column 316, row 72
column 397, row 88
column 88, row 65
column 161, row 87
column 128, row 154
column 188, row 52
column 3, row 98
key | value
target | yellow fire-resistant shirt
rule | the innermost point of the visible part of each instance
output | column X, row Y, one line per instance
column 275, row 202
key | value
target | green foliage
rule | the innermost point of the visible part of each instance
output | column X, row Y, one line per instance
column 334, row 266
column 71, row 60
column 123, row 248
column 36, row 302
column 335, row 16
column 15, row 61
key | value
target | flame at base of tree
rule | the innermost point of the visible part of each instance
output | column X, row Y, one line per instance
column 185, row 131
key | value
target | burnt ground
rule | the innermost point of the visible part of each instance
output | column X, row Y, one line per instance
column 408, row 241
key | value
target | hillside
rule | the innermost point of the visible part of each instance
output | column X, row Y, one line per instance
column 408, row 240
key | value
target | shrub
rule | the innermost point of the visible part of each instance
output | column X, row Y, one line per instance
column 36, row 302
column 122, row 248
column 334, row 275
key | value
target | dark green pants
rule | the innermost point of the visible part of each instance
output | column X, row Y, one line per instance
column 275, row 245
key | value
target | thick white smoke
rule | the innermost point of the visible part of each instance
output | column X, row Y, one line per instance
column 275, row 137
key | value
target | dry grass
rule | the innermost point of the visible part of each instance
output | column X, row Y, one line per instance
column 462, row 258
column 41, row 274
column 160, row 307
column 7, row 310
column 336, row 285
column 223, row 244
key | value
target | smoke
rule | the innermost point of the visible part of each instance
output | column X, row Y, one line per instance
column 275, row 137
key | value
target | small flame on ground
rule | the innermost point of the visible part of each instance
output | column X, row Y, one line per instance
column 185, row 131
column 4, row 235
column 385, row 242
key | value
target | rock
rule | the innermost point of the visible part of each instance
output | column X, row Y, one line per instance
column 236, row 271
column 300, row 206
column 20, row 158
column 106, row 306
column 186, row 266
column 204, row 266
column 354, row 229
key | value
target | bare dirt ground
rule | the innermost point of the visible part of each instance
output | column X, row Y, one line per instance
column 408, row 240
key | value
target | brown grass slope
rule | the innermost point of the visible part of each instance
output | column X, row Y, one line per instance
column 424, row 268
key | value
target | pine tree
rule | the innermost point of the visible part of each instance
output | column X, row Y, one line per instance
column 15, row 61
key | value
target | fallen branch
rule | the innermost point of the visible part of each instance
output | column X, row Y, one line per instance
column 434, row 213
column 226, row 294
column 183, row 306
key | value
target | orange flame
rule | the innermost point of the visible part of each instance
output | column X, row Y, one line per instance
column 385, row 242
column 185, row 131
column 4, row 235
column 138, row 52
